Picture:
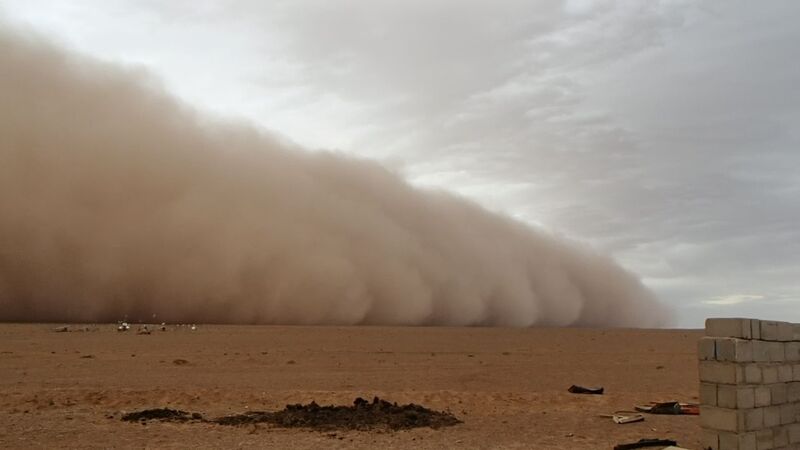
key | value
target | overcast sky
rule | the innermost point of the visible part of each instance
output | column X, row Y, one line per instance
column 665, row 133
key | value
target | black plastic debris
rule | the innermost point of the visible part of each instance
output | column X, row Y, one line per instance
column 647, row 442
column 575, row 389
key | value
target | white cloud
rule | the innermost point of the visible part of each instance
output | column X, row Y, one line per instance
column 733, row 299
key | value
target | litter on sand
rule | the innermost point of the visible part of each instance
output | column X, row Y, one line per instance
column 647, row 442
column 672, row 408
column 575, row 389
column 623, row 417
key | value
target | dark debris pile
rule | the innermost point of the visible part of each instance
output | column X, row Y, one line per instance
column 362, row 415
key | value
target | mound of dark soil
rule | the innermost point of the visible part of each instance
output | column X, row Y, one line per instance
column 363, row 415
column 162, row 415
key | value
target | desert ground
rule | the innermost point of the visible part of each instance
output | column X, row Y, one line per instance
column 508, row 386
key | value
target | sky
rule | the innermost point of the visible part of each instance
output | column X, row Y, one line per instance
column 663, row 133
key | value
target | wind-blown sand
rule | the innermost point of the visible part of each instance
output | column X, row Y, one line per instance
column 509, row 386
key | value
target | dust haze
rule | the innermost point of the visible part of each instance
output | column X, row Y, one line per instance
column 116, row 200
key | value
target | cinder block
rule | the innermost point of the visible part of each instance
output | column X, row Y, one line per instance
column 772, row 416
column 737, row 441
column 706, row 349
column 769, row 330
column 710, row 440
column 752, row 373
column 796, row 372
column 708, row 394
column 745, row 397
column 769, row 374
column 764, row 440
column 780, row 437
column 765, row 351
column 776, row 352
column 729, row 327
column 778, row 393
column 793, row 391
column 751, row 419
column 763, row 396
column 733, row 396
column 796, row 331
column 721, row 372
column 792, row 351
column 722, row 419
column 785, row 331
column 788, row 413
column 755, row 329
column 794, row 433
column 785, row 373
column 733, row 349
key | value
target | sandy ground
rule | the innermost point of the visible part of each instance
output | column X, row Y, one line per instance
column 509, row 386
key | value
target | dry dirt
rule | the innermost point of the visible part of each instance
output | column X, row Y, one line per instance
column 508, row 386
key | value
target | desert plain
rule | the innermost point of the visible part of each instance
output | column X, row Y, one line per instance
column 507, row 385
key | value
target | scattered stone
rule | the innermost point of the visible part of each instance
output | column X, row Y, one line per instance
column 180, row 362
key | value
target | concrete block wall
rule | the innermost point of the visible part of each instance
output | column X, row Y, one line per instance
column 750, row 385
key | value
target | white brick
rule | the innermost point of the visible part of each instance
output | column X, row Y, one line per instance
column 721, row 372
column 772, row 416
column 737, row 441
column 794, row 433
column 785, row 373
column 769, row 330
column 780, row 437
column 752, row 373
column 792, row 351
column 793, row 391
column 732, row 349
column 763, row 396
column 708, row 394
column 722, row 419
column 769, row 374
column 788, row 413
column 724, row 327
column 706, row 349
column 785, row 331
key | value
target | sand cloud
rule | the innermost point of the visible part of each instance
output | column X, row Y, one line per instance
column 117, row 200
